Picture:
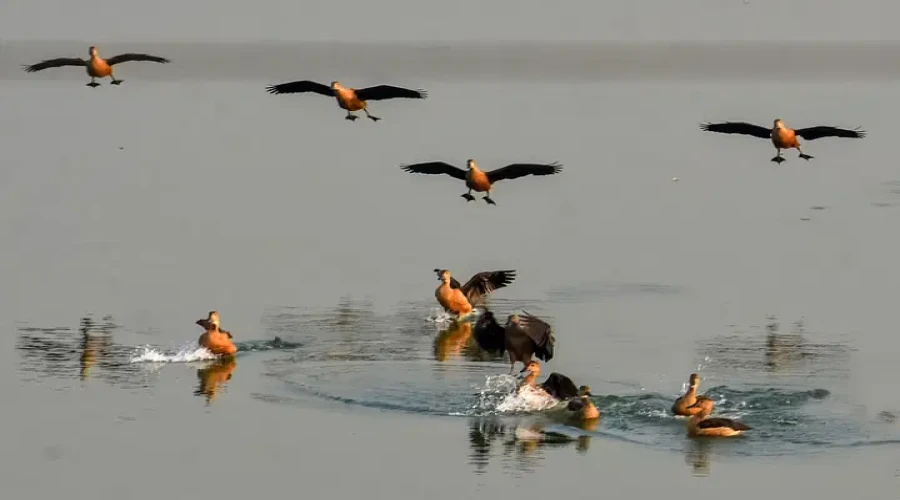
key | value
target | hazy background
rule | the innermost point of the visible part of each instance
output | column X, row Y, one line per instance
column 189, row 188
column 462, row 20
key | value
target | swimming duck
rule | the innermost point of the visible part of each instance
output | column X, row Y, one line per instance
column 557, row 385
column 690, row 397
column 783, row 137
column 582, row 407
column 701, row 424
column 216, row 340
column 523, row 337
column 460, row 299
column 96, row 66
column 348, row 98
column 479, row 180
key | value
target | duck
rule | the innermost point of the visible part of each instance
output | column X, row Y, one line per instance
column 683, row 403
column 524, row 336
column 557, row 385
column 96, row 66
column 481, row 181
column 783, row 137
column 461, row 299
column 214, row 339
column 701, row 424
column 347, row 98
column 582, row 408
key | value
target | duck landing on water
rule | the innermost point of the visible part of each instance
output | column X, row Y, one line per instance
column 460, row 299
column 478, row 180
column 96, row 66
column 523, row 337
column 348, row 98
column 783, row 137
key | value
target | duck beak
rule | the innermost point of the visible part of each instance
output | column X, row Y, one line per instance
column 201, row 322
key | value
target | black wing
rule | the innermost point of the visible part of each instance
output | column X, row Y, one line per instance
column 522, row 169
column 811, row 133
column 54, row 63
column 226, row 333
column 489, row 335
column 561, row 387
column 135, row 57
column 300, row 86
column 738, row 128
column 435, row 167
column 380, row 92
column 541, row 333
column 716, row 422
column 486, row 282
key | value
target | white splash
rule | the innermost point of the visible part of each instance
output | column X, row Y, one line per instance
column 527, row 399
column 184, row 354
column 439, row 316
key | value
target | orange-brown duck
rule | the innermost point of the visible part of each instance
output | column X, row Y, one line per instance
column 783, row 137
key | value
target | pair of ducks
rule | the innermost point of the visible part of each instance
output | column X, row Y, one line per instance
column 699, row 409
column 561, row 387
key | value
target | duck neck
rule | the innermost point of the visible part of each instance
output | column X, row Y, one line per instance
column 530, row 379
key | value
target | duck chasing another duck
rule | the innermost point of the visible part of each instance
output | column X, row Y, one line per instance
column 460, row 299
column 783, row 137
column 214, row 339
column 349, row 99
column 557, row 385
column 479, row 180
column 96, row 66
column 523, row 337
column 701, row 424
column 683, row 404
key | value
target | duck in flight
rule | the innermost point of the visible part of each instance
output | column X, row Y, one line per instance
column 218, row 341
column 479, row 180
column 523, row 337
column 96, row 66
column 783, row 137
column 348, row 98
column 701, row 424
column 460, row 299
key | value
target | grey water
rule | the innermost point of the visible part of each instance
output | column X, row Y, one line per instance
column 128, row 212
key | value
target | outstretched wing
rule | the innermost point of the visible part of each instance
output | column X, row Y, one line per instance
column 539, row 330
column 522, row 169
column 738, row 128
column 811, row 133
column 300, row 86
column 485, row 282
column 435, row 167
column 135, row 57
column 489, row 335
column 54, row 63
column 380, row 92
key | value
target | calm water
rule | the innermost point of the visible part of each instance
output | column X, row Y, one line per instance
column 126, row 213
